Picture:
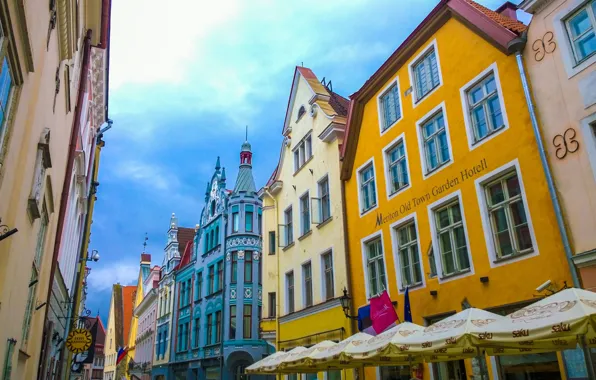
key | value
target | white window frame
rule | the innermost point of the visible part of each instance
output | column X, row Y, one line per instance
column 303, row 283
column 286, row 242
column 412, row 218
column 370, row 161
column 301, row 147
column 588, row 130
column 413, row 62
column 380, row 110
column 399, row 139
column 433, row 112
column 563, row 40
column 330, row 252
column 304, row 195
column 363, row 247
column 320, row 195
column 435, row 242
column 286, row 291
column 466, row 109
column 486, row 224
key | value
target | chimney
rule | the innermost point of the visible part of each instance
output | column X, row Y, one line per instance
column 508, row 9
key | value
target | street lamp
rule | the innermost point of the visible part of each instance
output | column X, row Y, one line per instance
column 345, row 304
column 93, row 257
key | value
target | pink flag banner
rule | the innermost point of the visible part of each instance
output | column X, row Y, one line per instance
column 382, row 313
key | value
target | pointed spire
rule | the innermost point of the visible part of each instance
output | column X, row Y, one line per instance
column 223, row 174
column 217, row 164
column 245, row 181
column 207, row 190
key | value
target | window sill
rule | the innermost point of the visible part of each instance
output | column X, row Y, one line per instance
column 455, row 274
column 514, row 256
column 288, row 246
column 434, row 170
column 303, row 165
column 425, row 95
column 325, row 222
column 411, row 287
column 198, row 300
column 271, row 253
column 366, row 211
column 214, row 294
column 305, row 235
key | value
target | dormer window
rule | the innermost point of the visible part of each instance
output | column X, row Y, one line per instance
column 301, row 112
column 212, row 208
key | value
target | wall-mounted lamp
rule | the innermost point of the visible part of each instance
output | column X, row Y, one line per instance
column 93, row 257
column 484, row 280
column 345, row 301
column 33, row 282
column 5, row 231
column 40, row 306
column 433, row 293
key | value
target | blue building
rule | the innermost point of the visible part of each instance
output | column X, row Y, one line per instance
column 218, row 291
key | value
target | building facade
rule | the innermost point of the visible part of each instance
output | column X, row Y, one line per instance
column 177, row 237
column 444, row 190
column 118, row 328
column 306, row 264
column 94, row 370
column 146, row 314
column 561, row 47
column 42, row 87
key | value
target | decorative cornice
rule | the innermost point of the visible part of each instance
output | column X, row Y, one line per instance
column 25, row 43
column 585, row 259
column 534, row 6
column 66, row 27
column 98, row 83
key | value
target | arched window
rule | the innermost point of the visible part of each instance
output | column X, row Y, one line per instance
column 212, row 208
column 216, row 235
column 301, row 112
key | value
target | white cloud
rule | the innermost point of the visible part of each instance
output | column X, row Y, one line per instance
column 145, row 174
column 102, row 279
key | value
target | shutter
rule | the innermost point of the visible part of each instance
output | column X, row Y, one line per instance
column 434, row 69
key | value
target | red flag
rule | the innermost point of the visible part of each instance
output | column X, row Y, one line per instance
column 382, row 313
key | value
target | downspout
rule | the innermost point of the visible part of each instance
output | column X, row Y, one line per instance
column 277, row 294
column 517, row 45
column 67, row 178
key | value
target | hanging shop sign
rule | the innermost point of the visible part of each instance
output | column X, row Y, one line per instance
column 79, row 340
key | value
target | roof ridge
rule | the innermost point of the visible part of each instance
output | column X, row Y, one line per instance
column 513, row 25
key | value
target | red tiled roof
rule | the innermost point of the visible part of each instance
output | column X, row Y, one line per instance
column 185, row 235
column 186, row 255
column 339, row 103
column 128, row 301
column 506, row 22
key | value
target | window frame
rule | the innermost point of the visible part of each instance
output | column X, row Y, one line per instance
column 590, row 10
column 247, row 334
column 289, row 226
column 249, row 218
column 234, row 326
column 481, row 184
column 235, row 221
column 290, row 306
column 361, row 168
column 440, row 108
column 272, row 305
column 572, row 67
column 305, row 214
column 326, row 296
column 322, row 196
column 272, row 243
column 401, row 139
column 234, row 267
column 380, row 106
column 432, row 208
column 302, row 152
column 307, row 285
column 414, row 62
column 364, row 242
column 468, row 121
column 411, row 219
column 248, row 261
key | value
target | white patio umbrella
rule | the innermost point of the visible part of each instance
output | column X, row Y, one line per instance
column 300, row 358
column 271, row 364
column 378, row 345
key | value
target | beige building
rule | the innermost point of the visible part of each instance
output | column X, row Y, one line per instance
column 42, row 54
column 560, row 57
column 304, row 257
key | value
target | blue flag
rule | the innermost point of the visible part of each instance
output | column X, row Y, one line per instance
column 364, row 318
column 407, row 310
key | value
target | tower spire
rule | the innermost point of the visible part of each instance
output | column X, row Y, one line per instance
column 145, row 242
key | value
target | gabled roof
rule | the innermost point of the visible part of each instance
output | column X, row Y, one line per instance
column 186, row 255
column 128, row 301
column 185, row 235
column 497, row 29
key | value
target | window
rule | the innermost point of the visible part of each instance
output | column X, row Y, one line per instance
column 272, row 305
column 325, row 201
column 333, row 375
column 368, row 192
column 302, row 152
column 220, row 266
column 511, row 233
column 436, row 146
column 290, row 291
column 212, row 208
column 8, row 359
column 260, row 271
column 452, row 240
column 210, row 321
column 260, row 221
column 426, row 74
column 328, row 289
column 248, row 217
column 307, row 278
column 397, row 167
column 41, row 235
column 235, row 219
column 272, row 242
column 196, row 333
column 211, row 279
column 30, row 306
column 199, row 285
column 409, row 258
column 6, row 86
column 581, row 27
column 232, row 321
column 375, row 267
column 390, row 107
column 304, row 214
column 301, row 112
column 247, row 321
column 248, row 267
column 217, row 326
column 396, row 372
column 234, row 278
column 484, row 108
column 289, row 230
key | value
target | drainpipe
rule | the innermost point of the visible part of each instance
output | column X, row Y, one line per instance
column 517, row 45
column 277, row 253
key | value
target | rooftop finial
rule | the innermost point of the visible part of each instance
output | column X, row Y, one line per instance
column 217, row 164
column 246, row 139
column 145, row 242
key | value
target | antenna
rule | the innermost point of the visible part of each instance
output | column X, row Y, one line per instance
column 145, row 242
column 246, row 133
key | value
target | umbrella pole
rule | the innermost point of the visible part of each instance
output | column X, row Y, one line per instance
column 588, row 358
column 483, row 369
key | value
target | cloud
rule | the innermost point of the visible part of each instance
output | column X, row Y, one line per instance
column 101, row 279
column 147, row 175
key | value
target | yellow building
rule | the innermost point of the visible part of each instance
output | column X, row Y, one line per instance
column 305, row 265
column 118, row 331
column 444, row 188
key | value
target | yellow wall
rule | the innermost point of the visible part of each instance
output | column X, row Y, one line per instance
column 110, row 346
column 134, row 322
column 458, row 48
column 328, row 236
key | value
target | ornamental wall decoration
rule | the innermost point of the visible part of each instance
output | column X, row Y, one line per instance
column 565, row 143
column 543, row 46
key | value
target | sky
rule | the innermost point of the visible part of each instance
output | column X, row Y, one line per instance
column 187, row 77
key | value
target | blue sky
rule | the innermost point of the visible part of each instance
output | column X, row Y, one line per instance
column 185, row 79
